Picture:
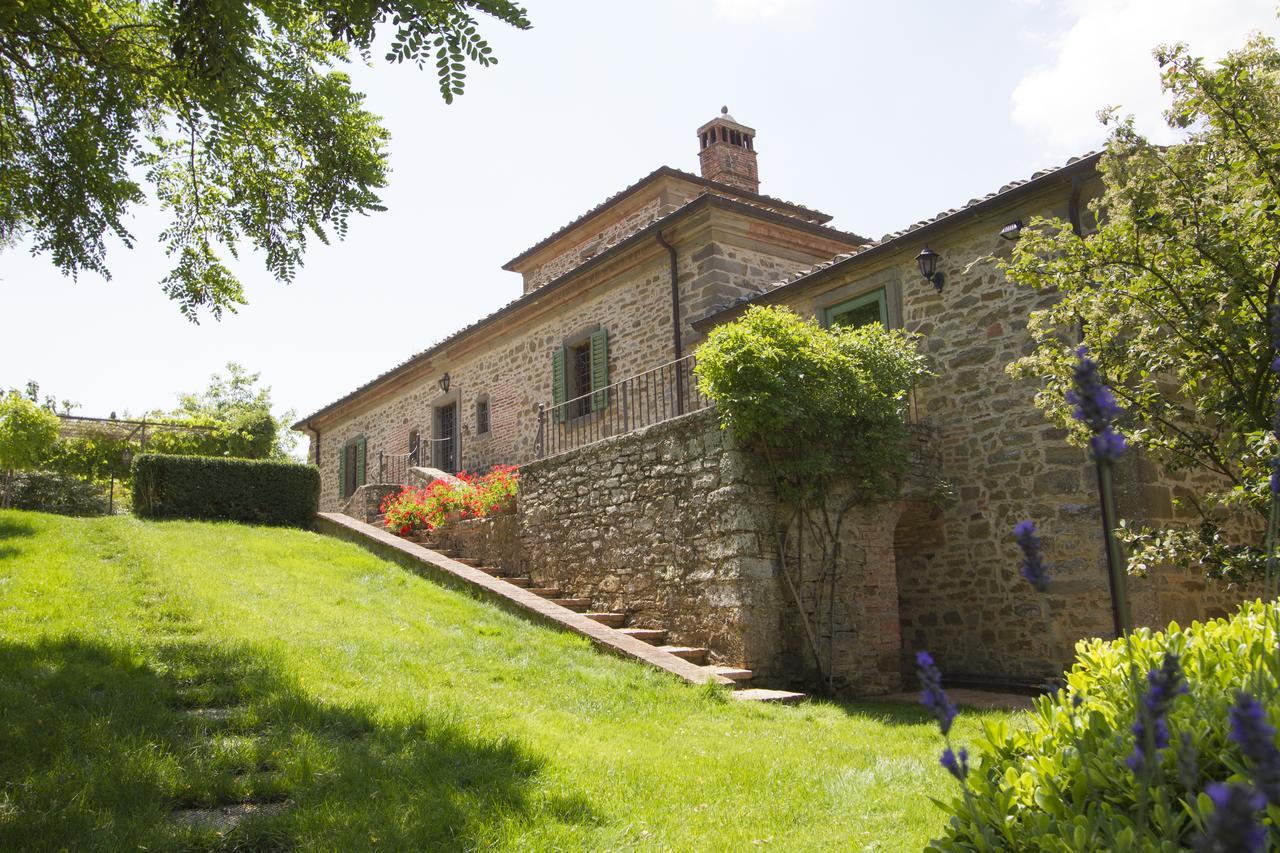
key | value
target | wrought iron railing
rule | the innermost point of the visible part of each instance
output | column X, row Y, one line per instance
column 393, row 468
column 649, row 398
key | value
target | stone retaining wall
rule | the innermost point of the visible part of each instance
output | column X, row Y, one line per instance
column 674, row 525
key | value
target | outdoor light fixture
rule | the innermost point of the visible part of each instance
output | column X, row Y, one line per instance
column 928, row 262
column 1012, row 231
column 444, row 384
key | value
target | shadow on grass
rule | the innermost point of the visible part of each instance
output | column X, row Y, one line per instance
column 893, row 713
column 99, row 749
column 10, row 529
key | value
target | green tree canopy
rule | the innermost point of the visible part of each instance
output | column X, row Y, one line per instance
column 802, row 395
column 27, row 432
column 1174, row 294
column 237, row 409
column 231, row 112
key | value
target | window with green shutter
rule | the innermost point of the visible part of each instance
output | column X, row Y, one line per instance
column 342, row 472
column 599, row 370
column 559, row 383
column 351, row 468
column 861, row 311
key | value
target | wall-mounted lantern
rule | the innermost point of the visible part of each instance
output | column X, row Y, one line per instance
column 927, row 260
column 1012, row 231
column 444, row 384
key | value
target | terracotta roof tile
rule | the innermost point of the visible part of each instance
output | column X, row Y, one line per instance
column 807, row 213
column 895, row 235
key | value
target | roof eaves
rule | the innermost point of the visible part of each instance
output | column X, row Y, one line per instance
column 663, row 171
column 523, row 299
column 689, row 207
column 974, row 207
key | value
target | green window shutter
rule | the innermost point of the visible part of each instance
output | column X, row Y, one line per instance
column 342, row 472
column 599, row 370
column 559, row 383
column 360, row 446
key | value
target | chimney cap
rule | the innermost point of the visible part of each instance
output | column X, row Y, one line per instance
column 725, row 119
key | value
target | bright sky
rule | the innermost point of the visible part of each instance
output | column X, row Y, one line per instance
column 880, row 113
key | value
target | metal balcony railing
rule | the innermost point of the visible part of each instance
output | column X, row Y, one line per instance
column 648, row 398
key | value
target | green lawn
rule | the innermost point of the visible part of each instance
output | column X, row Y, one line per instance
column 389, row 713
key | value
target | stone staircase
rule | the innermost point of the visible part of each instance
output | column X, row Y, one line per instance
column 656, row 637
column 732, row 676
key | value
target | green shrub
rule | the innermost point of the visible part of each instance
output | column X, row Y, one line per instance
column 801, row 394
column 52, row 491
column 1062, row 783
column 204, row 487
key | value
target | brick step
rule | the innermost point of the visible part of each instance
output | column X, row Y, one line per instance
column 613, row 620
column 732, row 673
column 654, row 636
column 525, row 582
column 693, row 655
column 546, row 591
column 760, row 694
column 579, row 604
column 470, row 561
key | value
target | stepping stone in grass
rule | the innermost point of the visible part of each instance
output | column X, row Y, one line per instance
column 227, row 817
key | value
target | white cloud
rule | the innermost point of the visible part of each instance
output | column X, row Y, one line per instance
column 1104, row 59
column 753, row 10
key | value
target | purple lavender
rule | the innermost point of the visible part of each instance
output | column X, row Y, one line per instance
column 1096, row 407
column 1234, row 826
column 956, row 765
column 1150, row 728
column 933, row 697
column 1257, row 740
column 1033, row 567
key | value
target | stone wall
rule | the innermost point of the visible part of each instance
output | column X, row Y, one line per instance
column 674, row 525
column 494, row 541
column 513, row 370
column 960, row 593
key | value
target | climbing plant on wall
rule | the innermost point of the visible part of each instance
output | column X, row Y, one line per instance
column 825, row 411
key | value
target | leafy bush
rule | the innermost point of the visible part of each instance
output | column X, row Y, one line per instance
column 51, row 491
column 801, row 393
column 26, row 434
column 471, row 497
column 246, row 490
column 1065, row 781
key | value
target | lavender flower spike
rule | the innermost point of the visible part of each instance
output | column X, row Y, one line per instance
column 1033, row 567
column 1095, row 406
column 1234, row 826
column 934, row 698
column 1163, row 686
column 1257, row 740
column 956, row 766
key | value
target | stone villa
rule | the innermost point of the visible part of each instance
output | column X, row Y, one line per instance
column 634, row 500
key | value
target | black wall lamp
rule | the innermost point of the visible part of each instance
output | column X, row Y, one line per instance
column 927, row 260
column 444, row 384
column 1012, row 231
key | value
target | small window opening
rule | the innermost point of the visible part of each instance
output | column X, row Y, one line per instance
column 580, row 380
column 482, row 416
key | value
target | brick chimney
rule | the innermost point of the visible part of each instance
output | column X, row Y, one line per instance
column 728, row 152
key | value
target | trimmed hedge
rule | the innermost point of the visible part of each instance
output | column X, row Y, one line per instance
column 213, row 488
column 51, row 491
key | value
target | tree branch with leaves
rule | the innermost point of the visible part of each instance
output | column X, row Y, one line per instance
column 234, row 115
column 1173, row 294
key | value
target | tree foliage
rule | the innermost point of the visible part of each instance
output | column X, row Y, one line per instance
column 820, row 406
column 804, row 395
column 231, row 112
column 27, row 432
column 1175, row 290
column 235, row 412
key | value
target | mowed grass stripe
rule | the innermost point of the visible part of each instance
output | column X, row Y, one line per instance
column 388, row 712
